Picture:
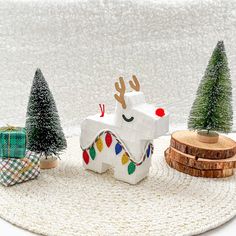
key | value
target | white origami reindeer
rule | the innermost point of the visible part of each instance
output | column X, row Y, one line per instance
column 123, row 140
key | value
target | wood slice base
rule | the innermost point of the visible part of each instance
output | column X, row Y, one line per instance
column 188, row 155
column 201, row 163
column 202, row 137
column 48, row 163
column 198, row 173
column 187, row 142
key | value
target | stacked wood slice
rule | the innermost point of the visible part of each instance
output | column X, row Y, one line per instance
column 212, row 160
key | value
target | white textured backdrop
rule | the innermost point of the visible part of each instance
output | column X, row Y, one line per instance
column 82, row 47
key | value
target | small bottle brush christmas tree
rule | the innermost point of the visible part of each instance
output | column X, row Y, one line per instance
column 45, row 135
column 212, row 108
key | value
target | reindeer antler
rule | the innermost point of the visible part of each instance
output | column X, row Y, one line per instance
column 134, row 84
column 121, row 89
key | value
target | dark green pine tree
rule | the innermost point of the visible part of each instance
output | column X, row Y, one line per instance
column 45, row 134
column 212, row 108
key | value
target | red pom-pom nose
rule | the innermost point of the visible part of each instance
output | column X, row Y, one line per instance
column 160, row 112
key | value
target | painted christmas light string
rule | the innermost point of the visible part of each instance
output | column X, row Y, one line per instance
column 123, row 139
column 108, row 137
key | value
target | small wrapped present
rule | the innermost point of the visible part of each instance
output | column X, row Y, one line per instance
column 12, row 142
column 14, row 171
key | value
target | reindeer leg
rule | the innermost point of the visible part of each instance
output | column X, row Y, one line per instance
column 141, row 172
column 95, row 162
column 96, row 165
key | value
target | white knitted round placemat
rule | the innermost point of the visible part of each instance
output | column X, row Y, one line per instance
column 72, row 201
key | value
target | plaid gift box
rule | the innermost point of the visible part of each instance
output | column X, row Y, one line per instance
column 12, row 142
column 14, row 171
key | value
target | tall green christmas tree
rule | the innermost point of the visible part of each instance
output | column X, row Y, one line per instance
column 212, row 108
column 45, row 134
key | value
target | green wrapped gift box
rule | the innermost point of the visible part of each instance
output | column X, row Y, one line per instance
column 12, row 142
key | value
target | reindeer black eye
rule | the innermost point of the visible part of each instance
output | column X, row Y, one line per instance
column 127, row 119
